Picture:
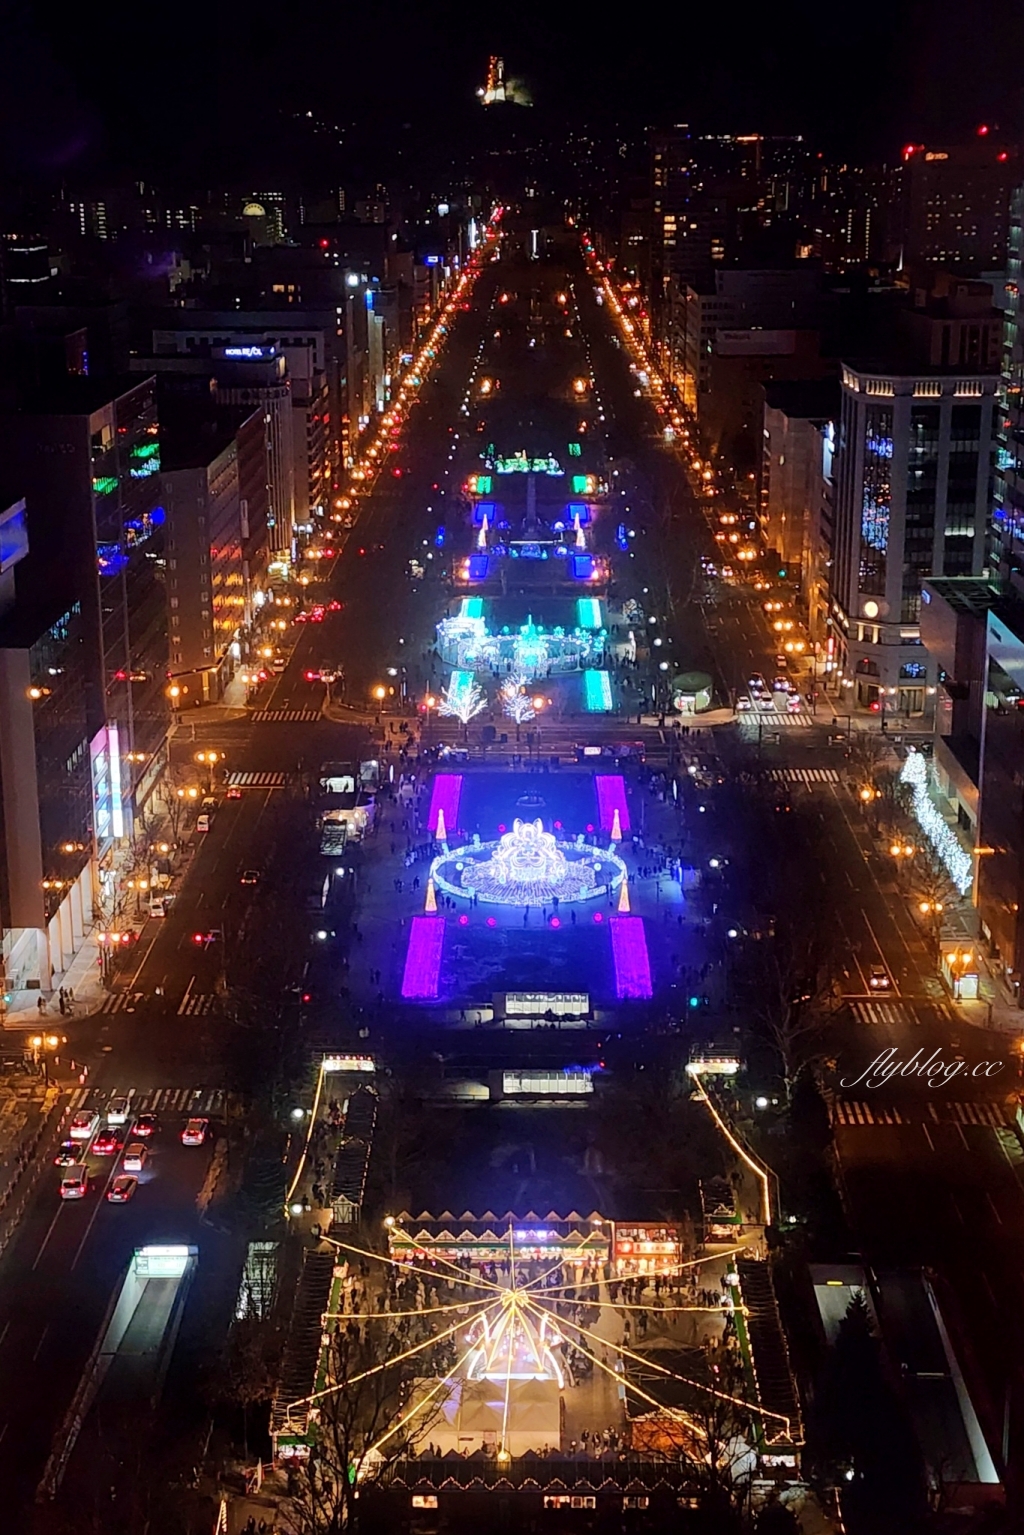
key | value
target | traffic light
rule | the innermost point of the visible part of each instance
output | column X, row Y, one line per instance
column 782, row 572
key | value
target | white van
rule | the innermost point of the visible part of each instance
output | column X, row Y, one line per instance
column 203, row 823
column 135, row 1158
column 74, row 1183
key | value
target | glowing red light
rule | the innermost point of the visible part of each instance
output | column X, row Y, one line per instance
column 982, row 130
column 463, row 920
column 1002, row 155
column 556, row 922
column 492, row 921
column 502, row 827
column 589, row 827
column 599, row 916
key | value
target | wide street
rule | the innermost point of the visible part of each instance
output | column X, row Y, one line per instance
column 949, row 1166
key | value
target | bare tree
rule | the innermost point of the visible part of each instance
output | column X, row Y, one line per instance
column 708, row 1431
column 365, row 1420
column 178, row 779
column 795, row 997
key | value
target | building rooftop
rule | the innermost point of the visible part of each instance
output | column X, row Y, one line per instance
column 903, row 360
column 805, row 399
column 74, row 396
column 976, row 596
column 194, row 432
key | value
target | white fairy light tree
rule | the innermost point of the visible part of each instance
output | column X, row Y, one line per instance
column 515, row 701
column 462, row 701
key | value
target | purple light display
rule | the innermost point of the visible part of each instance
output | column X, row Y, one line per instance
column 423, row 958
column 629, row 954
column 446, row 795
column 478, row 566
column 611, row 796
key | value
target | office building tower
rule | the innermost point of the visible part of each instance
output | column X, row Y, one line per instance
column 955, row 204
column 1008, row 509
column 206, row 583
column 86, row 457
column 975, row 631
column 913, row 477
column 56, row 802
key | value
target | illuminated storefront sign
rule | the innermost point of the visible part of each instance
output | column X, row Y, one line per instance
column 333, row 1063
column 107, row 804
column 646, row 1249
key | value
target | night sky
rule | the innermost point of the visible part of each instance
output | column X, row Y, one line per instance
column 166, row 84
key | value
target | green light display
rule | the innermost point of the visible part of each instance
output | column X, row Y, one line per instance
column 104, row 484
column 574, row 450
column 518, row 463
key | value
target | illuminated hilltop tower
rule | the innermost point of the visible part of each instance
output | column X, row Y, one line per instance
column 494, row 90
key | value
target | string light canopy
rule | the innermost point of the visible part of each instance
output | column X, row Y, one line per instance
column 945, row 843
column 510, row 1333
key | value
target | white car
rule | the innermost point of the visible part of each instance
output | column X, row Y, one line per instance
column 135, row 1157
column 117, row 1111
column 194, row 1133
column 84, row 1125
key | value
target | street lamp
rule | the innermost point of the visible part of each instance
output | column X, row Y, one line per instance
column 209, row 760
column 41, row 1044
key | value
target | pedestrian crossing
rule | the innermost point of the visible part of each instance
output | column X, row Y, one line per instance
column 121, row 1002
column 157, row 1100
column 195, row 1005
column 806, row 775
column 774, row 719
column 285, row 716
column 849, row 1112
column 198, row 1005
column 891, row 1013
column 256, row 780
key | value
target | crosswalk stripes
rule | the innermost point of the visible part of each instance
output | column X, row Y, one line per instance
column 977, row 1113
column 806, row 775
column 773, row 719
column 256, row 780
column 285, row 716
column 851, row 1112
column 158, row 1100
column 121, row 1002
column 198, row 1005
column 880, row 1013
column 848, row 1112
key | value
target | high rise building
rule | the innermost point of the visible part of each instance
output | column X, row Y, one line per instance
column 56, row 807
column 913, row 477
column 1008, row 510
column 86, row 456
column 955, row 204
column 206, row 585
column 796, row 490
column 975, row 631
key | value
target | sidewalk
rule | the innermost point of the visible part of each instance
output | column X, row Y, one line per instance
column 82, row 977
